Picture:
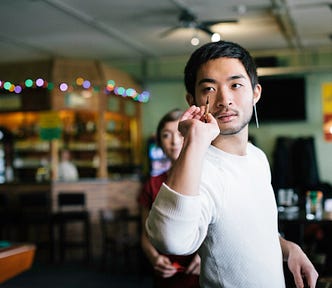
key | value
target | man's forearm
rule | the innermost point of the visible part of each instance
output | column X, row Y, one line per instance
column 185, row 175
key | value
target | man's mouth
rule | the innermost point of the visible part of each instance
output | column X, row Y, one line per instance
column 225, row 117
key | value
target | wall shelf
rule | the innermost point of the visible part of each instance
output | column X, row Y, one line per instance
column 87, row 140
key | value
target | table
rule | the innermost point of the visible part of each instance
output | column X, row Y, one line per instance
column 15, row 259
column 294, row 229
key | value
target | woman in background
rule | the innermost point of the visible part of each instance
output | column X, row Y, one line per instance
column 170, row 270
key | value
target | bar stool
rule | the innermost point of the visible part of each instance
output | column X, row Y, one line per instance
column 72, row 213
column 35, row 220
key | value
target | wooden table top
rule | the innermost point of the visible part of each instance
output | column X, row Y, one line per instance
column 15, row 259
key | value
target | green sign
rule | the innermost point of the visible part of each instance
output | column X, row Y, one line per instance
column 50, row 133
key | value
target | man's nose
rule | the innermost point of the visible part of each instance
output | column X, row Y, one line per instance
column 223, row 99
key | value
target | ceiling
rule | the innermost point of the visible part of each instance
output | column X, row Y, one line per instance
column 132, row 29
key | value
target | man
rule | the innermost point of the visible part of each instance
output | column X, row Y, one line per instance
column 218, row 196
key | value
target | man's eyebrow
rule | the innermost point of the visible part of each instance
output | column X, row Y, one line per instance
column 234, row 77
column 206, row 80
column 210, row 80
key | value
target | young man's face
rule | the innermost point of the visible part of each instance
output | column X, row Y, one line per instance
column 231, row 97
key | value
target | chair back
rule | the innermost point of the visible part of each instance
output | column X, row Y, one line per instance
column 113, row 221
column 110, row 215
column 71, row 201
column 119, row 224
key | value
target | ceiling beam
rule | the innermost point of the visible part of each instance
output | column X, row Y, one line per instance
column 101, row 27
column 286, row 24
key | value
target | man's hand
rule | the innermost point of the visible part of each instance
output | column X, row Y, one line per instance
column 299, row 265
column 194, row 124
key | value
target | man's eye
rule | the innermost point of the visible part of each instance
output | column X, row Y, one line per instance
column 208, row 89
column 237, row 85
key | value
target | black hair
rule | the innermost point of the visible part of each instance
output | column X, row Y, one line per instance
column 171, row 116
column 215, row 50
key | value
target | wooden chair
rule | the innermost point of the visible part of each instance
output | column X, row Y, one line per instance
column 120, row 234
column 72, row 213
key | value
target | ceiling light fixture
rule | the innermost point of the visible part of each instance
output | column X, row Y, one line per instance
column 215, row 37
column 194, row 41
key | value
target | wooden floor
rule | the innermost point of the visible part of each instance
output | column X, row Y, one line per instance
column 80, row 274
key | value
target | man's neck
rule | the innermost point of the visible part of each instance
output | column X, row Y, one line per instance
column 232, row 144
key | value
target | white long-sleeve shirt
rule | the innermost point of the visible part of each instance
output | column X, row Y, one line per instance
column 233, row 222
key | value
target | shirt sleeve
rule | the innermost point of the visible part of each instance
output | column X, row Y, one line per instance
column 174, row 224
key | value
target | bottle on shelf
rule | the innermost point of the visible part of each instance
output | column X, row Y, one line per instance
column 314, row 205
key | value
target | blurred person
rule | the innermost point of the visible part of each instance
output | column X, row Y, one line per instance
column 67, row 170
column 170, row 271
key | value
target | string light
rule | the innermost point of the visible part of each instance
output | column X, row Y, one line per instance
column 18, row 89
column 86, row 84
column 64, row 87
column 79, row 81
column 39, row 82
column 7, row 85
column 28, row 83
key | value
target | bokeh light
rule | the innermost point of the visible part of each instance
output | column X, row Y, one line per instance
column 109, row 88
column 7, row 85
column 86, row 84
column 28, row 83
column 39, row 82
column 18, row 89
column 63, row 87
column 79, row 81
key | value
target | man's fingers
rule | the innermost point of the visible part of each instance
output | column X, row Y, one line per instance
column 299, row 282
column 190, row 113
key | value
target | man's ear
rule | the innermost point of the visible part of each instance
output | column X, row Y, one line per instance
column 257, row 93
column 190, row 99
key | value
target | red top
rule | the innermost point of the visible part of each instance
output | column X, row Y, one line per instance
column 180, row 279
column 151, row 189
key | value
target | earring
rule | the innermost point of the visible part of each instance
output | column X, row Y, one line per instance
column 256, row 117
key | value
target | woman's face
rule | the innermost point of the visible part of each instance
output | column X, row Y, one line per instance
column 171, row 140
